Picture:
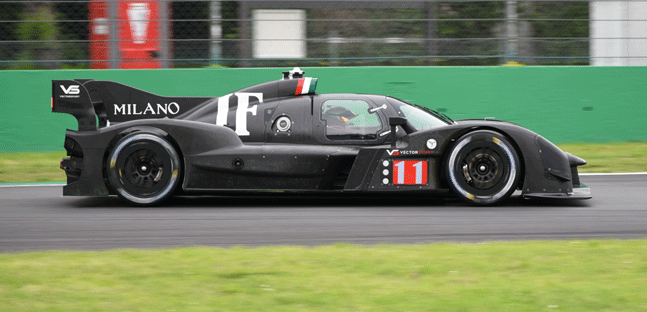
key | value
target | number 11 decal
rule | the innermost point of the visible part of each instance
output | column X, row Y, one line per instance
column 412, row 172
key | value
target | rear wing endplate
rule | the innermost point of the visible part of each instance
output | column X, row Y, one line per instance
column 70, row 97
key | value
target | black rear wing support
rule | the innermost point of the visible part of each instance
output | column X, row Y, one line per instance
column 70, row 97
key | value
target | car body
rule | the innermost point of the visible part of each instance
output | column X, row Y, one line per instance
column 282, row 136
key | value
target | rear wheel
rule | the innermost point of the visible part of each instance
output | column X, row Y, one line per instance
column 483, row 167
column 144, row 169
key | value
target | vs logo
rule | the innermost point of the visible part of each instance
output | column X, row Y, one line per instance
column 73, row 89
column 393, row 152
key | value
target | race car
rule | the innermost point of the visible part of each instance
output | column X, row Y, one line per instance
column 283, row 136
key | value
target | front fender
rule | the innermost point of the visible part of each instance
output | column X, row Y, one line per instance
column 546, row 168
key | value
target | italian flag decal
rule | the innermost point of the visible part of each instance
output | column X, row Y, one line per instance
column 306, row 86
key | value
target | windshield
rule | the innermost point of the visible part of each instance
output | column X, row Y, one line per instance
column 420, row 117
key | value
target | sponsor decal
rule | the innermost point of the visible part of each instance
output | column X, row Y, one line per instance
column 431, row 144
column 71, row 91
column 173, row 108
column 410, row 172
column 396, row 152
column 241, row 110
column 150, row 109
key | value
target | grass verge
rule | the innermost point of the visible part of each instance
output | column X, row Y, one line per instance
column 594, row 275
column 607, row 157
column 610, row 157
column 31, row 167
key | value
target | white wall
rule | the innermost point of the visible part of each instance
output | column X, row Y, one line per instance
column 614, row 42
column 279, row 24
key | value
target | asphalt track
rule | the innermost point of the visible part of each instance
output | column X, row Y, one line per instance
column 39, row 218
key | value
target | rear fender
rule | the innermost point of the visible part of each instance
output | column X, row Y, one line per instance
column 89, row 148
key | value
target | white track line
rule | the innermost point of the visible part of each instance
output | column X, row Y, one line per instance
column 613, row 174
column 33, row 185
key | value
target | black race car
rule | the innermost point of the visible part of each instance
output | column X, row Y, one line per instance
column 281, row 135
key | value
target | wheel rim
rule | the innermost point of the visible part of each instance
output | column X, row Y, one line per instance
column 482, row 168
column 144, row 169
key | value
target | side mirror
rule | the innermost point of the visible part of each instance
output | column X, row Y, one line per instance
column 397, row 121
column 394, row 122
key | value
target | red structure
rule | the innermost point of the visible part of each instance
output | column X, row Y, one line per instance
column 137, row 35
column 99, row 35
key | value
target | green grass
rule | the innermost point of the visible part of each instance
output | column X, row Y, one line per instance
column 595, row 275
column 607, row 157
column 610, row 157
column 31, row 167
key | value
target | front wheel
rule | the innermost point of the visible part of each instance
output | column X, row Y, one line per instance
column 483, row 168
column 144, row 169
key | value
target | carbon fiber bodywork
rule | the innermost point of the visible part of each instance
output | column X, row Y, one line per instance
column 273, row 136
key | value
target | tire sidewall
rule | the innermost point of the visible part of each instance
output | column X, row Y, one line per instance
column 122, row 150
column 508, row 155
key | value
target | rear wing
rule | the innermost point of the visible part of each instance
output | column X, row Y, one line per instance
column 70, row 97
column 112, row 102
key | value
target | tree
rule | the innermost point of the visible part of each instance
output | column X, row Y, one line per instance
column 39, row 33
column 560, row 31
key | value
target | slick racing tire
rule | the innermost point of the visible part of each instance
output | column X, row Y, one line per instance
column 483, row 168
column 144, row 169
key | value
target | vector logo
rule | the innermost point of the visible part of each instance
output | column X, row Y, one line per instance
column 73, row 89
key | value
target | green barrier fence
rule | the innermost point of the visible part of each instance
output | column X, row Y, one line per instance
column 564, row 104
